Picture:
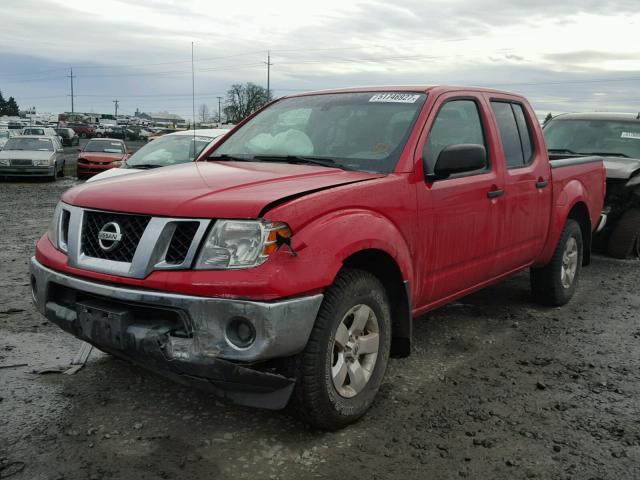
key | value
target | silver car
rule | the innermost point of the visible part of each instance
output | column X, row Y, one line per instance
column 34, row 156
column 6, row 134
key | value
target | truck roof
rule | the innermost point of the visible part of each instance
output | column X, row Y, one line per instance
column 403, row 88
column 609, row 116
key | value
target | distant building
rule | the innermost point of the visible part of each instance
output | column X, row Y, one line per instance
column 163, row 118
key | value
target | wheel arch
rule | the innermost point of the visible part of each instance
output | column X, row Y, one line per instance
column 580, row 213
column 384, row 267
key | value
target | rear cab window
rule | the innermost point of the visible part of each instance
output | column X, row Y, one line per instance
column 515, row 133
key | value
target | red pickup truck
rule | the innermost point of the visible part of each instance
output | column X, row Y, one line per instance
column 289, row 265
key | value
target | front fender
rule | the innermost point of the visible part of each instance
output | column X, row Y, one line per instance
column 332, row 238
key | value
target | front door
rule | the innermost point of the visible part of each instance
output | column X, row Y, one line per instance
column 461, row 214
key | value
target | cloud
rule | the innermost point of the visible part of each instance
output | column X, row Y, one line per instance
column 139, row 52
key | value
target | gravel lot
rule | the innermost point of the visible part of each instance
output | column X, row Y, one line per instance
column 497, row 387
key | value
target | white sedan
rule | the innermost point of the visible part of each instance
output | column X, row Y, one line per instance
column 169, row 149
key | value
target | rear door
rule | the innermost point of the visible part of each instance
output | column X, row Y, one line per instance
column 527, row 185
column 459, row 216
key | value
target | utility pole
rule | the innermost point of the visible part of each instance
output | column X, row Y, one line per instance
column 268, row 63
column 116, row 102
column 71, row 77
column 219, row 103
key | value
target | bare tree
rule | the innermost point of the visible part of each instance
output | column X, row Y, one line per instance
column 243, row 100
column 203, row 110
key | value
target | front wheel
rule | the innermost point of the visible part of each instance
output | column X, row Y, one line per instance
column 555, row 283
column 341, row 368
column 625, row 239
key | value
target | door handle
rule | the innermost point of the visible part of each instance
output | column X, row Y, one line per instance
column 541, row 183
column 495, row 193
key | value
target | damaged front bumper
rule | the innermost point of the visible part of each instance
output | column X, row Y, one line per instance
column 190, row 339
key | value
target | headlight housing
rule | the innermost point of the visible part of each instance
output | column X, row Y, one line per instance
column 233, row 244
column 5, row 161
column 58, row 228
column 54, row 227
column 42, row 163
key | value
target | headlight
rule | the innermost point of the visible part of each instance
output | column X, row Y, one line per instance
column 54, row 227
column 240, row 243
column 42, row 163
column 5, row 162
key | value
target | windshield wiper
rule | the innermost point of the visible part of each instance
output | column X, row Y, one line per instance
column 562, row 150
column 229, row 158
column 144, row 166
column 322, row 161
column 608, row 154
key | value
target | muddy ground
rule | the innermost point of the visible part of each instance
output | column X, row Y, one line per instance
column 497, row 388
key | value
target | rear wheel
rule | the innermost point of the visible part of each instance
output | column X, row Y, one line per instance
column 555, row 283
column 342, row 367
column 83, row 135
column 625, row 239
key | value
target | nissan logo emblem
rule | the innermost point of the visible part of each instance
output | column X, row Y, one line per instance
column 109, row 236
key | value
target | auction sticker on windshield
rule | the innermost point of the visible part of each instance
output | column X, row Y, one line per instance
column 394, row 98
column 635, row 135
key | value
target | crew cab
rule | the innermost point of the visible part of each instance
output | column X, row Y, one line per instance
column 615, row 137
column 289, row 263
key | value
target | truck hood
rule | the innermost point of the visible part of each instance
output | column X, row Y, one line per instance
column 26, row 154
column 621, row 168
column 209, row 189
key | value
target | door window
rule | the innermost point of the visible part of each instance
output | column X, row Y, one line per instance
column 458, row 122
column 514, row 133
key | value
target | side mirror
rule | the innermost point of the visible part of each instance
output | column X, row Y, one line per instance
column 464, row 157
column 79, row 149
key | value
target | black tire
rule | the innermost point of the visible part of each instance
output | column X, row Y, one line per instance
column 83, row 135
column 625, row 239
column 54, row 176
column 61, row 172
column 546, row 282
column 315, row 397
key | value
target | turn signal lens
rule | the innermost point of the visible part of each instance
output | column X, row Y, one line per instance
column 277, row 230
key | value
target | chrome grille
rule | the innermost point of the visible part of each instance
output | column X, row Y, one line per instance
column 146, row 243
column 181, row 241
column 132, row 227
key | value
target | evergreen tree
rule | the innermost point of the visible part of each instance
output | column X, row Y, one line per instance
column 11, row 107
column 3, row 105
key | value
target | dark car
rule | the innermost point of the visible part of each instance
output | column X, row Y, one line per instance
column 69, row 136
column 616, row 138
column 83, row 130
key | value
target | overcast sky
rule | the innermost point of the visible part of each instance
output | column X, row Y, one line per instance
column 570, row 55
